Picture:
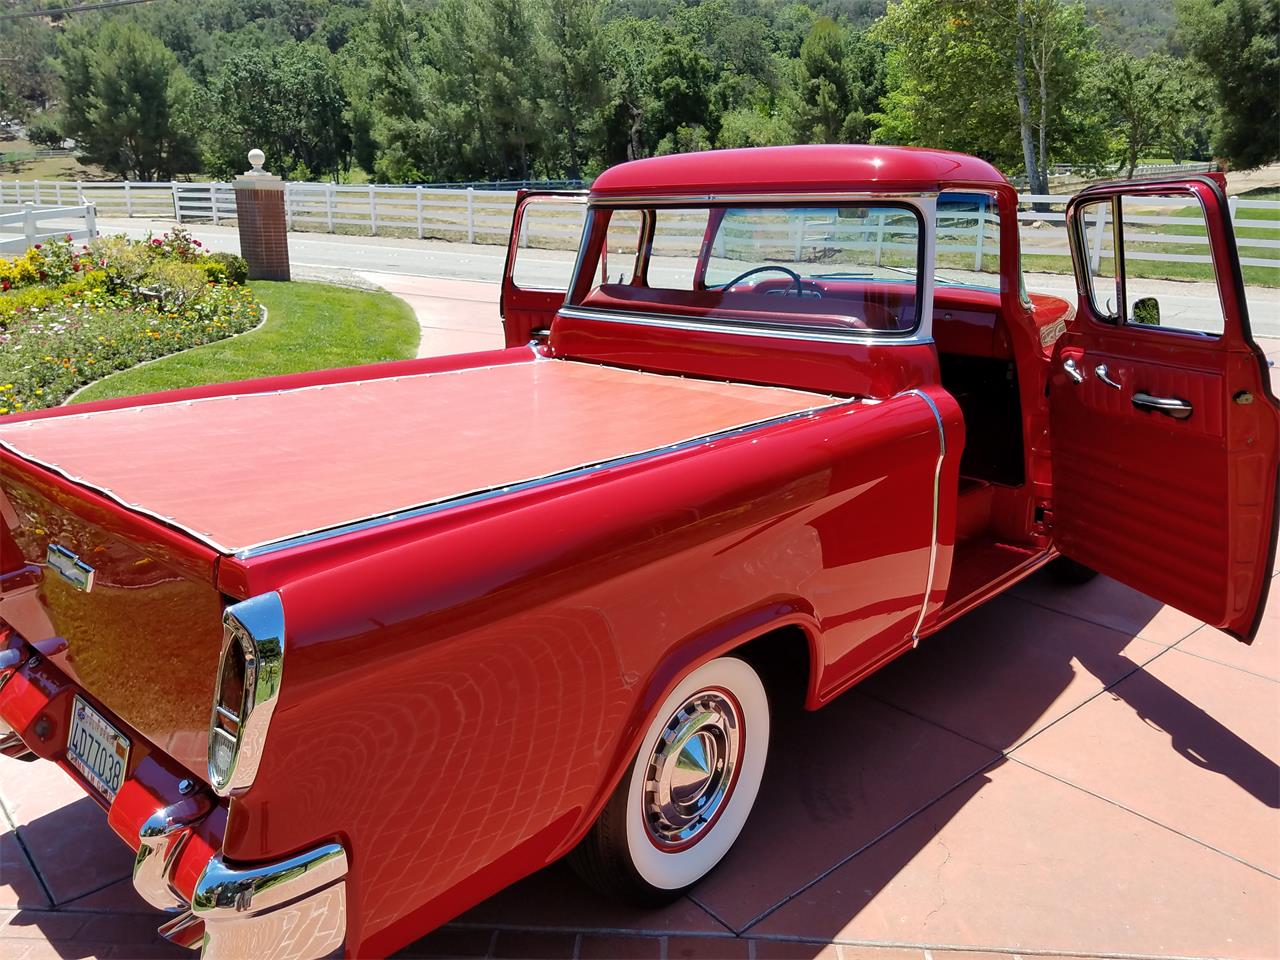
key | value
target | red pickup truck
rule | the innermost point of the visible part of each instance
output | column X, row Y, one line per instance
column 341, row 654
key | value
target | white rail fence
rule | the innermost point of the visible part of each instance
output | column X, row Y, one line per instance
column 484, row 216
column 24, row 228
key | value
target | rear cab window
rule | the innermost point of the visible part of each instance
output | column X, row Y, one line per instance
column 818, row 268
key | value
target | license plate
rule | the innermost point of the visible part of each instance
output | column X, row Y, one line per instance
column 97, row 749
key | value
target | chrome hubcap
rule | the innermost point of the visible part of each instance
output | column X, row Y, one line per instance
column 691, row 769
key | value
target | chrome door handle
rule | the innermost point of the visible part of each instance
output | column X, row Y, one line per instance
column 1073, row 370
column 1169, row 406
column 1102, row 372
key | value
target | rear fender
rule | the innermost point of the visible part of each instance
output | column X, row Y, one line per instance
column 685, row 657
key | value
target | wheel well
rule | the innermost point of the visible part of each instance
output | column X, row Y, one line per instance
column 782, row 658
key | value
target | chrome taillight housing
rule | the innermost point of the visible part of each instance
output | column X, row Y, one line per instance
column 248, row 684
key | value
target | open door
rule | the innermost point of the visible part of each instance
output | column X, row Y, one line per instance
column 1164, row 425
column 546, row 230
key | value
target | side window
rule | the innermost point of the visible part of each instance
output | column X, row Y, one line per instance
column 622, row 247
column 673, row 254
column 1150, row 263
column 547, row 244
column 1167, row 239
column 1098, row 233
column 968, row 236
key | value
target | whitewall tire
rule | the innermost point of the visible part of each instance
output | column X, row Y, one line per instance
column 689, row 791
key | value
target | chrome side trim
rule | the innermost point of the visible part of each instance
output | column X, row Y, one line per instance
column 256, row 626
column 937, row 486
column 294, row 909
column 673, row 322
column 161, row 839
column 480, row 496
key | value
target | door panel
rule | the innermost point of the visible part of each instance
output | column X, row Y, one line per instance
column 545, row 230
column 1164, row 439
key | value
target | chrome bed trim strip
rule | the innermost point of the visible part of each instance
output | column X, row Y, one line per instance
column 480, row 496
column 933, row 539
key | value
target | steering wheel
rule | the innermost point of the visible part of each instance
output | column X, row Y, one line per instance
column 795, row 277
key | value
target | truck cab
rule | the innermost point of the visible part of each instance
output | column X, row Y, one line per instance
column 1142, row 450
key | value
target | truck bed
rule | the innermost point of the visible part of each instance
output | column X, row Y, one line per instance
column 245, row 471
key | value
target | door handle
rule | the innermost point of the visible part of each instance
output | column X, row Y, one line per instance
column 1073, row 370
column 1169, row 406
column 1103, row 375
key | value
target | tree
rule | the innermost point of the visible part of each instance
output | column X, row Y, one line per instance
column 1238, row 44
column 1000, row 78
column 573, row 50
column 287, row 102
column 747, row 127
column 1142, row 98
column 127, row 102
column 825, row 101
column 28, row 78
column 680, row 77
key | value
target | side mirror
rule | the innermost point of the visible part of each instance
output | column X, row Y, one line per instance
column 1147, row 311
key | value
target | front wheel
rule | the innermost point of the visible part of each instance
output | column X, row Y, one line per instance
column 690, row 788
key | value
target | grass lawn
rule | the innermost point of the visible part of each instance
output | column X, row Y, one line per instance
column 310, row 326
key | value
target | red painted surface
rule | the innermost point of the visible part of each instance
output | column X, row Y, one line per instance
column 1183, row 510
column 490, row 667
column 775, row 170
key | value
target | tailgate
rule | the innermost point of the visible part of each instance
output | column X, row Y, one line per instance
column 126, row 608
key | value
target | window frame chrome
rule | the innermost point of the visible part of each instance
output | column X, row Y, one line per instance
column 923, row 204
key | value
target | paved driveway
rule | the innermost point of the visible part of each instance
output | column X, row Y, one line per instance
column 1066, row 771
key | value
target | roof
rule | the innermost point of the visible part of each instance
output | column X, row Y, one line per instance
column 805, row 168
column 246, row 470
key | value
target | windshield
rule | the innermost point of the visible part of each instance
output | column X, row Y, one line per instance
column 848, row 268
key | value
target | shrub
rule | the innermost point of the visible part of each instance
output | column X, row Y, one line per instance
column 20, row 271
column 124, row 263
column 175, row 244
column 175, row 284
column 237, row 268
column 214, row 271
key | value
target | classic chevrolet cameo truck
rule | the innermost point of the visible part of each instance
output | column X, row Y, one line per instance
column 342, row 654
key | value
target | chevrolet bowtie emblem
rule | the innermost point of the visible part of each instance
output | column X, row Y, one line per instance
column 72, row 569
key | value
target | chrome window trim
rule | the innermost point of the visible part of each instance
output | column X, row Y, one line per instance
column 937, row 488
column 426, row 509
column 256, row 626
column 924, row 205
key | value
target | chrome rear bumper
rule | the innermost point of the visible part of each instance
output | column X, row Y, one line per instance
column 295, row 909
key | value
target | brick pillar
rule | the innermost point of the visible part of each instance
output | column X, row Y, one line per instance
column 264, row 239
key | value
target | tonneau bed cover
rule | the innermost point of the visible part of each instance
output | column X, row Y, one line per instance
column 245, row 471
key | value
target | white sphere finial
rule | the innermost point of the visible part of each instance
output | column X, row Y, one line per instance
column 256, row 159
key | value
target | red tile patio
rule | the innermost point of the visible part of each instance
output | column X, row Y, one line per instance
column 1067, row 772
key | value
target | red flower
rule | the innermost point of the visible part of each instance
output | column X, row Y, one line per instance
column 76, row 267
column 69, row 238
column 155, row 243
column 37, row 246
column 4, row 284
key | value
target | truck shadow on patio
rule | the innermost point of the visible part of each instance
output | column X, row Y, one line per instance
column 919, row 768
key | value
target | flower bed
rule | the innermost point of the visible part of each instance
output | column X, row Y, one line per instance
column 68, row 316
